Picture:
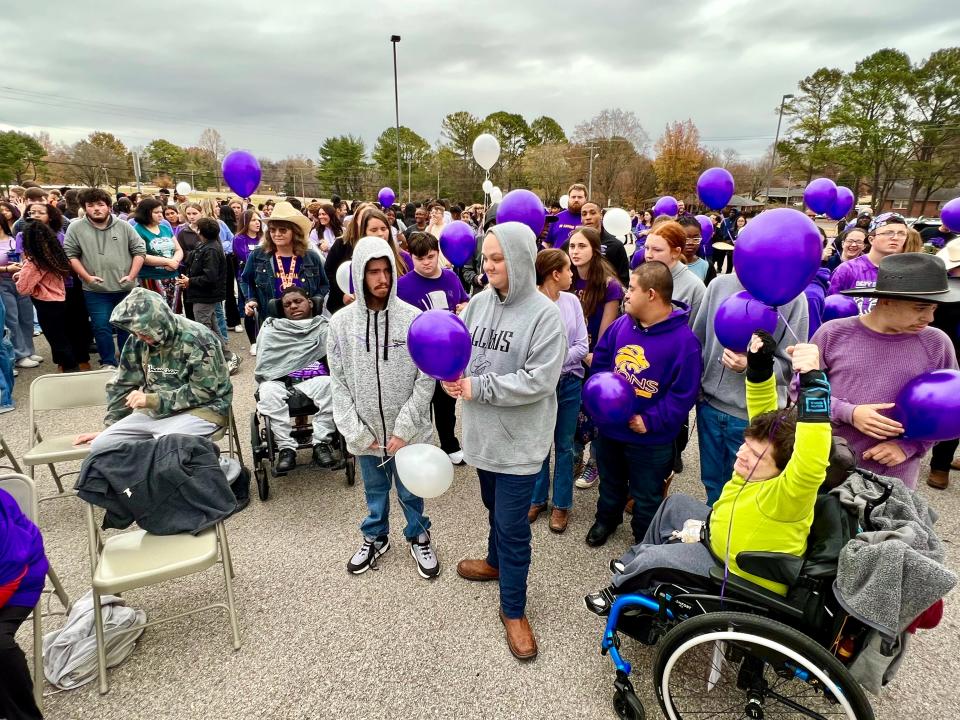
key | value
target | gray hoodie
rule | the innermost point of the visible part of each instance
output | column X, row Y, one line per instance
column 519, row 345
column 106, row 253
column 722, row 388
column 687, row 288
column 377, row 390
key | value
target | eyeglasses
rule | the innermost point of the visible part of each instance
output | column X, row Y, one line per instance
column 853, row 242
column 892, row 234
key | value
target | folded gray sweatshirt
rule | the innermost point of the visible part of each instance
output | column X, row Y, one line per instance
column 519, row 345
column 722, row 388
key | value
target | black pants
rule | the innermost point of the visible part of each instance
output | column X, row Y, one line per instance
column 78, row 322
column 943, row 453
column 230, row 308
column 719, row 258
column 66, row 347
column 16, row 687
column 444, row 409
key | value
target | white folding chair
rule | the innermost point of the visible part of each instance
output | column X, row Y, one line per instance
column 136, row 559
column 66, row 391
column 24, row 492
column 5, row 453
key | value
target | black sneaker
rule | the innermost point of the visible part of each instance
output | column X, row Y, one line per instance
column 286, row 460
column 678, row 464
column 422, row 551
column 600, row 601
column 366, row 557
column 323, row 455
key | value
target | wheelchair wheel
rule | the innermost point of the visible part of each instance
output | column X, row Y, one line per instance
column 628, row 706
column 728, row 664
column 260, row 473
column 351, row 471
column 255, row 442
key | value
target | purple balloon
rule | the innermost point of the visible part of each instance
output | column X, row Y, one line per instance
column 667, row 205
column 777, row 255
column 706, row 234
column 715, row 187
column 525, row 207
column 820, row 195
column 439, row 344
column 843, row 204
column 386, row 197
column 458, row 243
column 738, row 317
column 950, row 215
column 242, row 172
column 928, row 406
column 839, row 306
column 608, row 398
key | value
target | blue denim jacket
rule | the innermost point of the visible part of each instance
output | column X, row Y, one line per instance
column 258, row 280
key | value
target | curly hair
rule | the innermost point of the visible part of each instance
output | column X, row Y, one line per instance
column 41, row 245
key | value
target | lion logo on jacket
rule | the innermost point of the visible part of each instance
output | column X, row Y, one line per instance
column 630, row 362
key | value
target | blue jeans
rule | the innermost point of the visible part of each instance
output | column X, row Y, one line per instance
column 507, row 499
column 19, row 318
column 100, row 305
column 568, row 407
column 631, row 471
column 6, row 364
column 221, row 320
column 720, row 436
column 376, row 488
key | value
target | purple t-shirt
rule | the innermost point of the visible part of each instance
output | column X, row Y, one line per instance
column 444, row 292
column 561, row 230
column 289, row 273
column 852, row 275
column 243, row 245
column 614, row 292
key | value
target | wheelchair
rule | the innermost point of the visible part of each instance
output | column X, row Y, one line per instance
column 729, row 647
column 302, row 409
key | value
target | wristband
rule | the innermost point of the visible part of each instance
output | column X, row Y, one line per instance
column 813, row 405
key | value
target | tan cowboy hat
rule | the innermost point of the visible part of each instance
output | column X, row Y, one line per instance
column 951, row 254
column 285, row 212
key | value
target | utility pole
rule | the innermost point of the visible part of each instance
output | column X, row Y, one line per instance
column 394, row 39
column 773, row 159
column 409, row 191
column 590, row 175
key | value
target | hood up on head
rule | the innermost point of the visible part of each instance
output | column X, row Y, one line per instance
column 144, row 312
column 373, row 248
column 519, row 246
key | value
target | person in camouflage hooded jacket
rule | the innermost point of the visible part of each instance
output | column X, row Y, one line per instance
column 172, row 376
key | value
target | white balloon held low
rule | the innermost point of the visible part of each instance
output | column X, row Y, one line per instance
column 425, row 470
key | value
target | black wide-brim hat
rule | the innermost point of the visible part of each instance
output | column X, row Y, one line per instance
column 918, row 277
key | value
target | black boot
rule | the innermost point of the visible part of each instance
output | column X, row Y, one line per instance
column 286, row 460
column 598, row 534
column 323, row 455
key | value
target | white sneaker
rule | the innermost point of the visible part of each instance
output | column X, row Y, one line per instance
column 16, row 373
column 588, row 478
column 456, row 457
column 6, row 409
column 238, row 328
column 233, row 364
column 253, row 349
column 26, row 363
column 37, row 358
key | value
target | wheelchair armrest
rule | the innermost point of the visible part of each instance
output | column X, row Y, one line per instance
column 756, row 594
column 776, row 566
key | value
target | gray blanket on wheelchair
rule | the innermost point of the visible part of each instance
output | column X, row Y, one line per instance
column 284, row 346
column 888, row 576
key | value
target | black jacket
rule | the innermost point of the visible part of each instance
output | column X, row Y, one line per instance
column 170, row 485
column 208, row 272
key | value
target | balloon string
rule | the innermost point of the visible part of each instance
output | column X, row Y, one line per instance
column 787, row 325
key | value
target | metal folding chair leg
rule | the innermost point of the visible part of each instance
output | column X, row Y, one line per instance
column 228, row 581
column 38, row 677
column 101, row 647
column 5, row 452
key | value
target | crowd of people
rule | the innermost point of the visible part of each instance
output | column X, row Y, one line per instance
column 152, row 285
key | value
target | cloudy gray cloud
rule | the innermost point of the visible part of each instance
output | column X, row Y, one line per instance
column 277, row 81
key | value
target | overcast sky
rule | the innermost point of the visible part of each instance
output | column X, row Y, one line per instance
column 276, row 78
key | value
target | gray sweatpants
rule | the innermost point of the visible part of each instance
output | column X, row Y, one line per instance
column 140, row 426
column 273, row 404
column 657, row 552
column 206, row 314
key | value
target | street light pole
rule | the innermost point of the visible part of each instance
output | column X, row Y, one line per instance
column 590, row 174
column 776, row 139
column 394, row 39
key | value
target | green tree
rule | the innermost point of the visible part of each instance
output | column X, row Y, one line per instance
column 546, row 131
column 809, row 144
column 342, row 166
column 200, row 165
column 547, row 169
column 101, row 159
column 20, row 156
column 163, row 157
column 414, row 150
column 459, row 130
column 936, row 132
column 513, row 134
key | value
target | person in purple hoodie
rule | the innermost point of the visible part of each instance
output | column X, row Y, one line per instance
column 653, row 347
column 23, row 571
column 568, row 220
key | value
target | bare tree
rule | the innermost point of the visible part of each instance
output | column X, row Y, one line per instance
column 212, row 142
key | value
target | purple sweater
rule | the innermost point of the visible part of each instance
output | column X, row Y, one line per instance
column 868, row 367
column 21, row 548
column 663, row 364
column 444, row 292
column 560, row 231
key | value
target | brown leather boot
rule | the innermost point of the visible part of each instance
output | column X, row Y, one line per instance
column 84, row 367
column 955, row 465
column 478, row 570
column 520, row 637
column 939, row 479
column 628, row 508
column 558, row 520
column 534, row 512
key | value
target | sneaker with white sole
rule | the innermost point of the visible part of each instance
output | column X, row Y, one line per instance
column 366, row 557
column 253, row 349
column 589, row 477
column 26, row 362
column 6, row 409
column 233, row 364
column 37, row 358
column 238, row 328
column 422, row 551
column 456, row 457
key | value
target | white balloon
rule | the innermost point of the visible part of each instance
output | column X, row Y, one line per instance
column 343, row 276
column 425, row 470
column 487, row 186
column 564, row 201
column 496, row 195
column 486, row 150
column 616, row 221
column 183, row 188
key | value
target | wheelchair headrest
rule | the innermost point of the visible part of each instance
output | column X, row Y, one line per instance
column 275, row 309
